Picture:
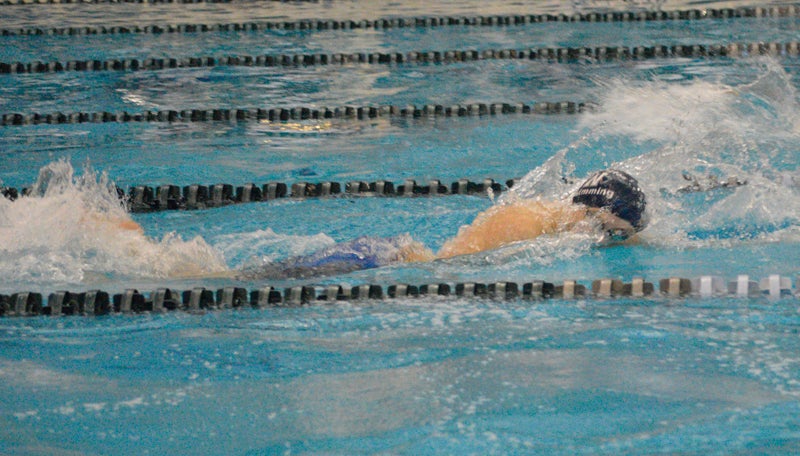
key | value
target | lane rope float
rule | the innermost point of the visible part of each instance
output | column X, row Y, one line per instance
column 550, row 54
column 502, row 20
column 144, row 198
column 171, row 197
column 300, row 113
column 200, row 299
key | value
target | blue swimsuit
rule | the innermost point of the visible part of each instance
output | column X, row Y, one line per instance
column 360, row 253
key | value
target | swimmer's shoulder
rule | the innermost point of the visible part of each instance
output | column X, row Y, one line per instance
column 555, row 210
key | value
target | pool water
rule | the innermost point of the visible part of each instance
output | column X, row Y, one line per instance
column 423, row 375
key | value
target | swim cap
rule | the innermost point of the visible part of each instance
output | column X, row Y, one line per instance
column 617, row 191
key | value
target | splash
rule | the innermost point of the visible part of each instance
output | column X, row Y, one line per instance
column 703, row 131
column 274, row 246
column 73, row 229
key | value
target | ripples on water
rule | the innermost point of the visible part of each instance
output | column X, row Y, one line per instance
column 425, row 376
column 704, row 129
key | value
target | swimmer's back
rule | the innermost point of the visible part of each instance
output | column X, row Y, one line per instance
column 506, row 223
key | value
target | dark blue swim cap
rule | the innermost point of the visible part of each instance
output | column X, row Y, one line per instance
column 617, row 191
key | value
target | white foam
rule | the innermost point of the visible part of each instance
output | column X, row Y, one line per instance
column 267, row 245
column 700, row 128
column 132, row 403
column 94, row 406
column 74, row 226
column 25, row 414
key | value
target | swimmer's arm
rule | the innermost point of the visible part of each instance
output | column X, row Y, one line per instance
column 504, row 224
column 416, row 252
column 110, row 221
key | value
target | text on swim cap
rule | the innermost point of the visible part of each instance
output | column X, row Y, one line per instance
column 604, row 192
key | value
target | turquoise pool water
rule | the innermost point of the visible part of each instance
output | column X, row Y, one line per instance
column 428, row 375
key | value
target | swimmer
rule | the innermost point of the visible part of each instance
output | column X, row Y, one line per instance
column 609, row 201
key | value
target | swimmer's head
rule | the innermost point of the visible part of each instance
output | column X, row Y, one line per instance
column 616, row 191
